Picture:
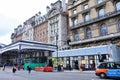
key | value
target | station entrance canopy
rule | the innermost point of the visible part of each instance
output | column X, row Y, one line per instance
column 22, row 45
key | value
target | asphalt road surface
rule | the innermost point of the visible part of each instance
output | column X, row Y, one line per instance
column 66, row 75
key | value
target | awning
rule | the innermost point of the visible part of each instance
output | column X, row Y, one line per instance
column 22, row 44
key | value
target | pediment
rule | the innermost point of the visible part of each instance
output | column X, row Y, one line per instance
column 53, row 12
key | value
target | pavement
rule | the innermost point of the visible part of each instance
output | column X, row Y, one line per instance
column 88, row 71
column 9, row 69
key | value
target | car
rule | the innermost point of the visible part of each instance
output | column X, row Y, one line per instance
column 108, row 70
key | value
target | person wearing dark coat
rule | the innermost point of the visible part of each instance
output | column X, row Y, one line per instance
column 29, row 69
column 13, row 69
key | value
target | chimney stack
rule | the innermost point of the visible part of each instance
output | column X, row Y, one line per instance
column 47, row 9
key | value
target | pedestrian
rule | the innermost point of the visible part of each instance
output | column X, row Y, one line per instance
column 70, row 67
column 3, row 67
column 59, row 67
column 14, row 69
column 62, row 67
column 29, row 69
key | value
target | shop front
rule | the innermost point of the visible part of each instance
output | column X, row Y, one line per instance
column 88, row 57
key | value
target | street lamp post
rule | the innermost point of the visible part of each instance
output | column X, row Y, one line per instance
column 19, row 57
column 57, row 47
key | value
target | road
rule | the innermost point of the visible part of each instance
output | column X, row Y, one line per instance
column 67, row 75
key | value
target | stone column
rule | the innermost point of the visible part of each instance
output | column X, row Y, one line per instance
column 79, row 61
column 86, row 59
column 64, row 63
column 71, row 59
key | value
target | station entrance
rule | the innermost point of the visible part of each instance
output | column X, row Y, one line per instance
column 27, row 53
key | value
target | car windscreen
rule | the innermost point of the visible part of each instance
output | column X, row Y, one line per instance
column 118, row 65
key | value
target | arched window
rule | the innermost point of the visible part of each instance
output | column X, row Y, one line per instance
column 117, row 5
column 103, row 30
column 88, row 33
column 76, row 36
column 119, row 25
column 101, row 12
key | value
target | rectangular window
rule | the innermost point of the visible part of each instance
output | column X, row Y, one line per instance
column 101, row 12
column 75, row 21
column 74, row 11
column 85, row 6
column 86, row 17
column 76, row 36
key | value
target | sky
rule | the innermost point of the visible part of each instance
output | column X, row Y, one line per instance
column 15, row 12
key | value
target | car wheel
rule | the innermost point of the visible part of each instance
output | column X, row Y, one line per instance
column 102, row 75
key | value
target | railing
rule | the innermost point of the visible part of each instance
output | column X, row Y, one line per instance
column 95, row 39
column 108, row 15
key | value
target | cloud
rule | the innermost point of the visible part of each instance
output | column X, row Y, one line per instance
column 23, row 9
column 7, row 25
column 5, row 39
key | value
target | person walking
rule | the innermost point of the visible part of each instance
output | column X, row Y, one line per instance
column 3, row 67
column 29, row 69
column 14, row 69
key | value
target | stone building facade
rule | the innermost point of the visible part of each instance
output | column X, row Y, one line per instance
column 57, row 25
column 94, row 33
column 40, row 30
column 28, row 29
column 94, row 22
